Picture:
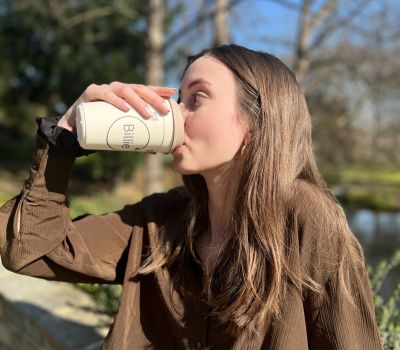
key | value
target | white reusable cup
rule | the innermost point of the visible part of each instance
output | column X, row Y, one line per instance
column 102, row 126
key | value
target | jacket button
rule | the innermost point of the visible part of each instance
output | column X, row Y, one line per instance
column 198, row 345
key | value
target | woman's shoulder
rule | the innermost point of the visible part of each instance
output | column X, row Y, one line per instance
column 325, row 239
column 316, row 207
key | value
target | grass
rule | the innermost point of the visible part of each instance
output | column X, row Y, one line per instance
column 363, row 187
column 11, row 183
column 377, row 176
column 379, row 198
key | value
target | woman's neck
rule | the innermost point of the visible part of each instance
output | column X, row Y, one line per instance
column 221, row 186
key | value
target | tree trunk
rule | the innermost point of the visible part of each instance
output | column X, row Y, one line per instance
column 155, row 76
column 302, row 58
column 221, row 22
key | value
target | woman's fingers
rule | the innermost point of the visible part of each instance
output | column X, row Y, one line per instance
column 103, row 93
column 163, row 90
column 138, row 96
column 129, row 96
column 151, row 97
column 118, row 102
column 122, row 96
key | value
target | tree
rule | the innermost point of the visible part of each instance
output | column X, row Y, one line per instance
column 51, row 53
column 339, row 60
column 221, row 34
column 308, row 24
column 155, row 76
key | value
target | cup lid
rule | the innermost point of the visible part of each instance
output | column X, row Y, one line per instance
column 178, row 132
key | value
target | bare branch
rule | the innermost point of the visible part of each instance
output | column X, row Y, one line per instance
column 196, row 22
column 286, row 42
column 87, row 16
column 329, row 29
column 301, row 58
column 325, row 11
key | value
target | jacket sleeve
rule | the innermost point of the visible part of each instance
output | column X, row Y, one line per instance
column 37, row 237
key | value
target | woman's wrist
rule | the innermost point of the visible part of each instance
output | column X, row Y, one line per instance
column 66, row 121
column 64, row 124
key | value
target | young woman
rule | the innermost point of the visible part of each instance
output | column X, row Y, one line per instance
column 252, row 253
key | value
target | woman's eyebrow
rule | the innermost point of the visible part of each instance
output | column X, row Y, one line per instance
column 195, row 82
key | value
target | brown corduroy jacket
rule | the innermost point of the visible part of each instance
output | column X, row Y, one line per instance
column 37, row 238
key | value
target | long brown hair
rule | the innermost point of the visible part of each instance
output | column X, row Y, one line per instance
column 251, row 273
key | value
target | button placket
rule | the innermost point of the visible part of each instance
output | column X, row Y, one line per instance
column 28, row 183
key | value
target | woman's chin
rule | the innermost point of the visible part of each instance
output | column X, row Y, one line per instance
column 182, row 170
column 180, row 167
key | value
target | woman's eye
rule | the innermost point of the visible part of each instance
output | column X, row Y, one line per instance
column 192, row 99
column 197, row 97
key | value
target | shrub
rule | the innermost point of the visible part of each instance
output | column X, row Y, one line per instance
column 387, row 308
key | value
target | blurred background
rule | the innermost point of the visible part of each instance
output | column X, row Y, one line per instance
column 345, row 55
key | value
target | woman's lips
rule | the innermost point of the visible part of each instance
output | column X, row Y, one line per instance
column 178, row 148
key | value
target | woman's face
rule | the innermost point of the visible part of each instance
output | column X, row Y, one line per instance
column 214, row 131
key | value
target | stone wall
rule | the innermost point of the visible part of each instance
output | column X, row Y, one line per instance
column 46, row 315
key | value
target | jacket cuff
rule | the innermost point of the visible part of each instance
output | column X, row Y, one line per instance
column 49, row 174
column 61, row 140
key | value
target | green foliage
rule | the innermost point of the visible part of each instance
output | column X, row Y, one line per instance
column 333, row 175
column 365, row 187
column 377, row 176
column 106, row 296
column 373, row 197
column 387, row 309
column 108, row 166
column 50, row 57
column 51, row 53
column 331, row 126
column 97, row 204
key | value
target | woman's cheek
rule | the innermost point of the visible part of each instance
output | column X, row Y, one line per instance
column 196, row 130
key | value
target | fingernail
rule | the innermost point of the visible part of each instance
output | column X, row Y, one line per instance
column 127, row 105
column 167, row 105
column 149, row 114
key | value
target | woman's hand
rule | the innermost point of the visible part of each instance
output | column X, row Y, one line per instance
column 123, row 96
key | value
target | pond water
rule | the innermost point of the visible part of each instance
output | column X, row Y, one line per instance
column 378, row 233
